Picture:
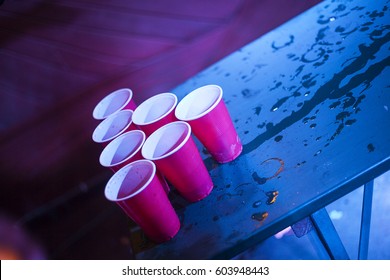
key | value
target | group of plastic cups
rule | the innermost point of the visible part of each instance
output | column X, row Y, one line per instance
column 146, row 144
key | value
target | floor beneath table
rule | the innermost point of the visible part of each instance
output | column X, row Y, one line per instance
column 345, row 214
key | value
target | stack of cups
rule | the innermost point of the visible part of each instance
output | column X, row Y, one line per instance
column 147, row 144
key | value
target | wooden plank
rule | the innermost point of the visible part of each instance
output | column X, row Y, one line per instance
column 61, row 56
column 44, row 82
column 199, row 9
column 203, row 10
column 11, row 102
column 90, row 39
column 130, row 23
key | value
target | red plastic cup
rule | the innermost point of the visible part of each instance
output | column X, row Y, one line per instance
column 122, row 150
column 115, row 101
column 174, row 152
column 125, row 149
column 113, row 126
column 155, row 112
column 137, row 190
column 210, row 121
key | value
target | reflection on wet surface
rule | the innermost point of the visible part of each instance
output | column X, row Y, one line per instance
column 272, row 195
column 299, row 164
column 261, row 216
column 339, row 87
column 257, row 204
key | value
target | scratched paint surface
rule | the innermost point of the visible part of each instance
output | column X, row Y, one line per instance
column 311, row 104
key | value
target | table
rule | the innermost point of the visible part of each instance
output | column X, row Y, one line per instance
column 310, row 101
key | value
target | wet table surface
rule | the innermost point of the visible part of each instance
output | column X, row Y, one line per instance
column 311, row 103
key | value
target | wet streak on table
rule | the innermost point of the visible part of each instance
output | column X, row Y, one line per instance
column 310, row 101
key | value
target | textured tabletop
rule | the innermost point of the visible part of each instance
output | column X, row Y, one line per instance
column 311, row 103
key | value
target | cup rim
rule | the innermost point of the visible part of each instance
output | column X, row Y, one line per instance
column 111, row 95
column 185, row 99
column 126, row 169
column 109, row 119
column 151, row 100
column 159, row 132
column 119, row 138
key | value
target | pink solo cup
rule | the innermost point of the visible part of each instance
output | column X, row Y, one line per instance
column 174, row 152
column 115, row 101
column 122, row 150
column 113, row 126
column 210, row 121
column 125, row 149
column 137, row 190
column 155, row 112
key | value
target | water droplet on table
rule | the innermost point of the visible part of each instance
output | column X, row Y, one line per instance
column 272, row 195
column 370, row 148
column 278, row 138
column 261, row 216
column 256, row 204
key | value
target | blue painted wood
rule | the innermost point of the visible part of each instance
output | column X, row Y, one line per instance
column 328, row 235
column 310, row 101
column 365, row 221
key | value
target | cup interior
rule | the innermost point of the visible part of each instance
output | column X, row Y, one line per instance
column 130, row 180
column 198, row 102
column 122, row 148
column 166, row 140
column 154, row 108
column 112, row 126
column 112, row 103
